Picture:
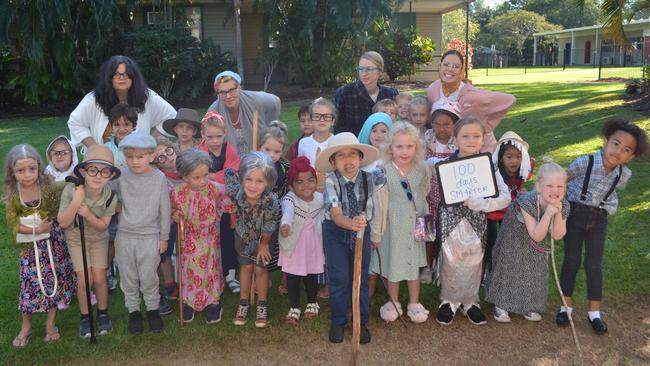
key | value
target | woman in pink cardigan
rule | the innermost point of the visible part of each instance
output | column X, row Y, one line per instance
column 489, row 106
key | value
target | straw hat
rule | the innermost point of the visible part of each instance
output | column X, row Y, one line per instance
column 186, row 115
column 512, row 136
column 344, row 140
column 98, row 154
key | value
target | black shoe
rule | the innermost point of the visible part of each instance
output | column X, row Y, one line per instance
column 365, row 335
column 188, row 313
column 445, row 315
column 213, row 313
column 599, row 325
column 164, row 308
column 475, row 315
column 104, row 325
column 135, row 326
column 155, row 321
column 562, row 319
column 336, row 333
column 84, row 328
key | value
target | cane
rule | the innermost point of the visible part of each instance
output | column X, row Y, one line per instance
column 77, row 182
column 356, row 289
column 180, row 235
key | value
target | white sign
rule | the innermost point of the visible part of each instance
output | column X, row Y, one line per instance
column 471, row 176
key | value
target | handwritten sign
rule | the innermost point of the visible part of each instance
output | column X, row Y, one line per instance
column 471, row 176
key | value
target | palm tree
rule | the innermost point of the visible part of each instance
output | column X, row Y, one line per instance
column 613, row 12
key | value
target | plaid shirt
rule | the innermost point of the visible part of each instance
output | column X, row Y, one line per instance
column 599, row 183
column 354, row 105
column 335, row 194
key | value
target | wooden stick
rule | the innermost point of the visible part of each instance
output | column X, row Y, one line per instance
column 356, row 290
column 179, row 272
column 255, row 128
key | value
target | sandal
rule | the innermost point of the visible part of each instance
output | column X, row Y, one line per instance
column 311, row 310
column 21, row 342
column 234, row 286
column 52, row 335
column 293, row 316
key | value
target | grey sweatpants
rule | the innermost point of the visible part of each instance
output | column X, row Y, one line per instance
column 139, row 257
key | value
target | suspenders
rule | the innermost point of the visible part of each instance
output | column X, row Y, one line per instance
column 585, row 183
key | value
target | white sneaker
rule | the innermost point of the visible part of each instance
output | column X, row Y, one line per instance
column 417, row 313
column 501, row 315
column 532, row 316
column 426, row 275
column 388, row 313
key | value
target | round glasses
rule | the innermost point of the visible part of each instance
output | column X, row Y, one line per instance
column 104, row 172
column 169, row 152
column 60, row 153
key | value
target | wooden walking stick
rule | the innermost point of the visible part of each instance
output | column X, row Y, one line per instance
column 180, row 235
column 255, row 128
column 356, row 290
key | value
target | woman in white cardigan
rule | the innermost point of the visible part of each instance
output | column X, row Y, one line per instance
column 119, row 80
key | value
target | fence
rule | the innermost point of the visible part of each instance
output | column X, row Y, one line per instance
column 560, row 73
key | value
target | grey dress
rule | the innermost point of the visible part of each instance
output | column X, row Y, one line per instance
column 518, row 281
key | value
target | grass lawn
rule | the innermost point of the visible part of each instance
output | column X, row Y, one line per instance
column 556, row 74
column 562, row 120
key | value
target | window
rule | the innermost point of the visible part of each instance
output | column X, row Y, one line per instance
column 193, row 21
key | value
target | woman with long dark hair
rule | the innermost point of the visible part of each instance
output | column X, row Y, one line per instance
column 119, row 80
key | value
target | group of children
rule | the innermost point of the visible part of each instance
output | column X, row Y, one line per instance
column 303, row 212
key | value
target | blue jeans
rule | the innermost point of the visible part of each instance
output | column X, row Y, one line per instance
column 339, row 258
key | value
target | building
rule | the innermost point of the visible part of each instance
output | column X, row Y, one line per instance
column 581, row 46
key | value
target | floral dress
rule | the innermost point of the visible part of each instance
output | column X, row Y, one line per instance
column 201, row 261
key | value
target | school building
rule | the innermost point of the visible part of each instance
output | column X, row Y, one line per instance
column 582, row 46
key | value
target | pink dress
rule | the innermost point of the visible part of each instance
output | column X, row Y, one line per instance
column 201, row 262
column 301, row 253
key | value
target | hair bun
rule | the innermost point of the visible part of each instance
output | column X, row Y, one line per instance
column 547, row 159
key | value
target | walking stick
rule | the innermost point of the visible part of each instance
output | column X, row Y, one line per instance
column 251, row 297
column 180, row 235
column 356, row 289
column 255, row 128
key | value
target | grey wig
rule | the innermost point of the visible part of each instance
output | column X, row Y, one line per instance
column 190, row 159
column 258, row 160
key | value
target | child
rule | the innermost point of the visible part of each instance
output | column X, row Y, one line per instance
column 438, row 140
column 462, row 235
column 516, row 168
column 401, row 201
column 123, row 121
column 223, row 156
column 186, row 127
column 387, row 106
column 301, row 246
column 258, row 211
column 95, row 203
column 143, row 230
column 349, row 193
column 62, row 158
column 45, row 272
column 375, row 129
column 593, row 181
column 419, row 111
column 403, row 100
column 305, row 127
column 199, row 202
column 322, row 114
column 518, row 280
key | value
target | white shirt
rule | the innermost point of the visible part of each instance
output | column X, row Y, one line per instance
column 308, row 147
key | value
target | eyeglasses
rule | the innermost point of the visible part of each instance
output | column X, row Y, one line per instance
column 60, row 153
column 366, row 69
column 328, row 117
column 104, row 172
column 451, row 66
column 121, row 75
column 407, row 189
column 169, row 152
column 223, row 93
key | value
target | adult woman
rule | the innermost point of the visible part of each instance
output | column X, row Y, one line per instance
column 489, row 106
column 119, row 80
column 354, row 101
column 237, row 107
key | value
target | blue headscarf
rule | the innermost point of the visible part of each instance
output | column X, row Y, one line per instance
column 375, row 118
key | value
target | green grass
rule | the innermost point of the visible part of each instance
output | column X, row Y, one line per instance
column 554, row 74
column 562, row 120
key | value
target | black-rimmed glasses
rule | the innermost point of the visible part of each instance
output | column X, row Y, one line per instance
column 121, row 75
column 169, row 152
column 223, row 93
column 328, row 117
column 104, row 172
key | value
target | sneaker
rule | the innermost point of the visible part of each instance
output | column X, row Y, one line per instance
column 417, row 313
column 241, row 315
column 388, row 313
column 188, row 313
column 501, row 315
column 293, row 317
column 336, row 333
column 445, row 315
column 84, row 328
column 311, row 310
column 104, row 324
column 364, row 336
column 111, row 281
column 475, row 315
column 155, row 321
column 135, row 326
column 213, row 313
column 171, row 291
column 164, row 308
column 234, row 286
column 532, row 316
column 562, row 319
column 262, row 316
column 426, row 276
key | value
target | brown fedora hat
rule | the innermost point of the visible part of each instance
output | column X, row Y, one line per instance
column 186, row 115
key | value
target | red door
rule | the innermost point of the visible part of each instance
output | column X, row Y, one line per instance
column 588, row 52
